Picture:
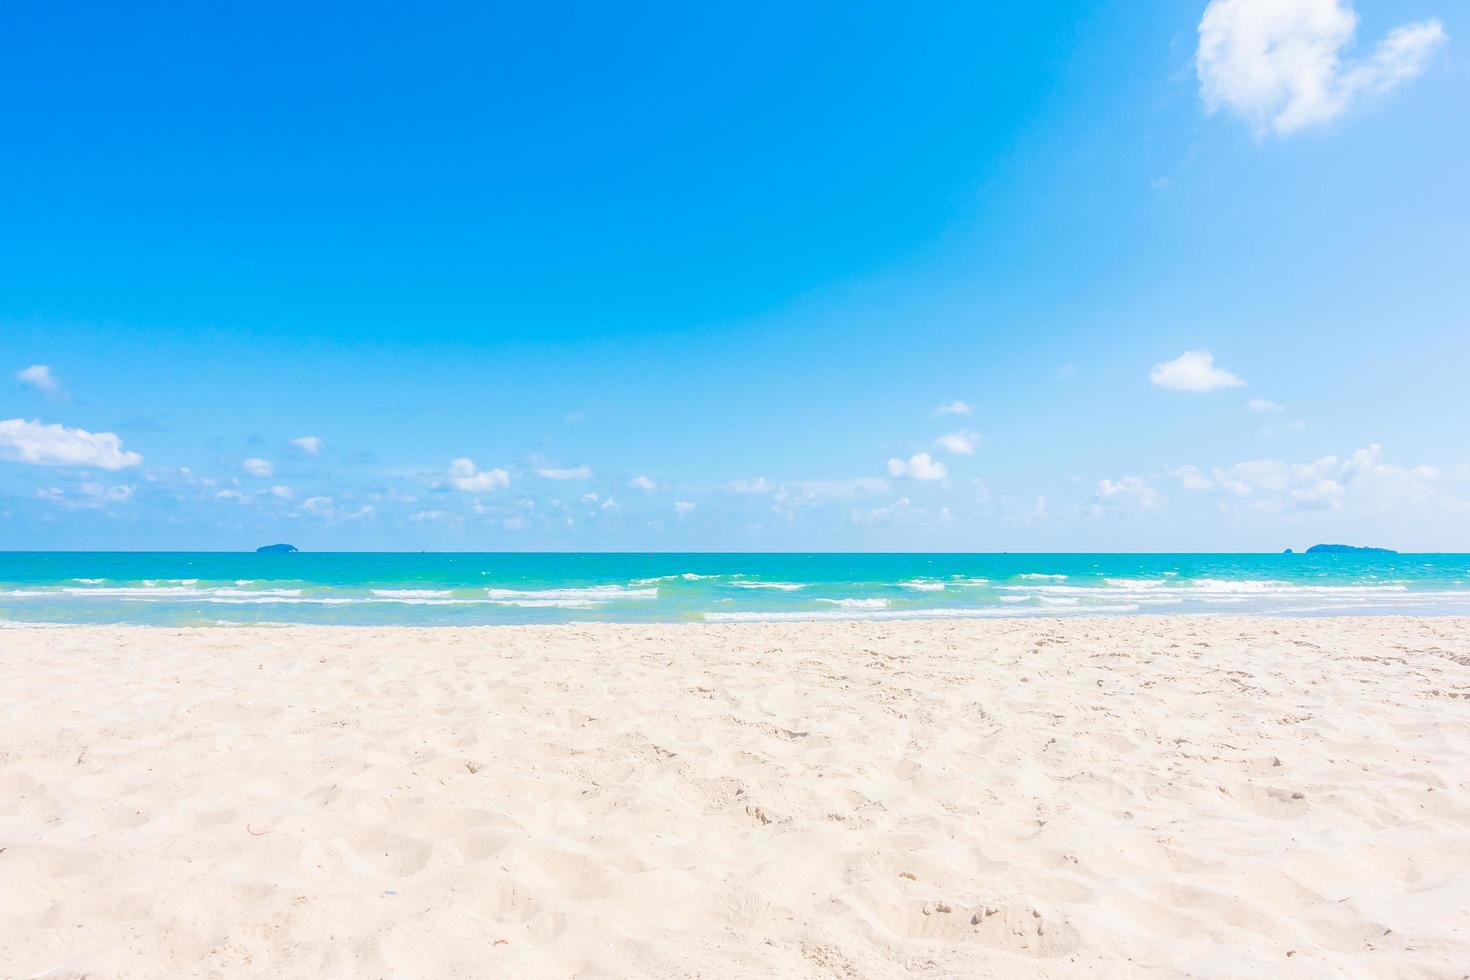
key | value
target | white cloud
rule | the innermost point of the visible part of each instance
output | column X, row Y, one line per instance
column 1194, row 370
column 311, row 445
column 109, row 495
column 955, row 407
column 865, row 486
column 90, row 496
column 682, row 507
column 41, row 378
column 1278, row 63
column 467, row 477
column 961, row 442
column 789, row 499
column 568, row 473
column 759, row 485
column 920, row 466
column 1190, row 478
column 900, row 511
column 1130, row 491
column 1264, row 405
column 435, row 517
column 1362, row 481
column 1037, row 512
column 55, row 445
column 642, row 483
column 257, row 467
column 283, row 493
column 318, row 506
column 326, row 508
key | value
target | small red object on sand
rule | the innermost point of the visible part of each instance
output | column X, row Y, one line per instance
column 255, row 833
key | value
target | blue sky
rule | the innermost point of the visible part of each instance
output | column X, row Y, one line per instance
column 1092, row 276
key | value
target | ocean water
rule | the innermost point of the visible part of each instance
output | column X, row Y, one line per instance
column 191, row 589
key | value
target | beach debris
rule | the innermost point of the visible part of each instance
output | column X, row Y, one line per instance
column 909, row 875
column 758, row 813
column 256, row 833
column 501, row 942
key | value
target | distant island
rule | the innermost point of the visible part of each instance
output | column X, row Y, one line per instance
column 276, row 549
column 1344, row 549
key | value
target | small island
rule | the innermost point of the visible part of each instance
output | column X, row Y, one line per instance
column 1347, row 549
column 276, row 549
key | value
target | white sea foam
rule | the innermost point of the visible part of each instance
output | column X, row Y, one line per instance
column 413, row 593
column 858, row 603
column 778, row 586
column 923, row 585
column 895, row 614
column 1040, row 575
column 591, row 593
column 90, row 581
column 264, row 599
column 686, row 576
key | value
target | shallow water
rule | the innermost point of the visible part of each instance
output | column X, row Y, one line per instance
column 467, row 589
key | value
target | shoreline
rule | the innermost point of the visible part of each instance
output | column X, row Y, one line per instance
column 833, row 620
column 1219, row 795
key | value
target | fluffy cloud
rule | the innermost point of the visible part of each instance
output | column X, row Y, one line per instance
column 318, row 506
column 41, row 378
column 1130, row 491
column 55, row 445
column 1278, row 63
column 1264, row 405
column 464, row 475
column 1194, row 370
column 642, row 483
column 682, row 507
column 311, row 445
column 920, row 466
column 961, row 442
column 568, row 473
column 257, row 467
column 1361, row 480
column 955, row 407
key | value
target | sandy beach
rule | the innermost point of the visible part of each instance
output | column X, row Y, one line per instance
column 1209, row 797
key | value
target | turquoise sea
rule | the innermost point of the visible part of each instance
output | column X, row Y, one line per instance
column 187, row 589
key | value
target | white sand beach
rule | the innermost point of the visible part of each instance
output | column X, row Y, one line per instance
column 1157, row 797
